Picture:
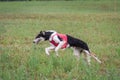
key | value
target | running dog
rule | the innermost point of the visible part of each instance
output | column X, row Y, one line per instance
column 62, row 41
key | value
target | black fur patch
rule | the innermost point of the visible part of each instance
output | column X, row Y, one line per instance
column 74, row 42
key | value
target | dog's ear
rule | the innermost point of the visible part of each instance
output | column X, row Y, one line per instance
column 42, row 32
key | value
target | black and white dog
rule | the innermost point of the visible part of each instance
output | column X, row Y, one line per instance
column 62, row 41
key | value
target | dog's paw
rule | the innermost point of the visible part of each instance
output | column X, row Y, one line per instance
column 47, row 54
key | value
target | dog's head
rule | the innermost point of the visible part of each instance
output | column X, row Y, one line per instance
column 39, row 37
column 43, row 36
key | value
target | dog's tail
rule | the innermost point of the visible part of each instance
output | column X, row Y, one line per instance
column 94, row 56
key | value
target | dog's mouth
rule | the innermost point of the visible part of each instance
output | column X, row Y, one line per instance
column 36, row 41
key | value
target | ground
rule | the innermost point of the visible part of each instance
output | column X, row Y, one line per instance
column 95, row 22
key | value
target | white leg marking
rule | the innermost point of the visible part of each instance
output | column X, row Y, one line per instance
column 48, row 49
column 59, row 47
column 76, row 52
column 87, row 58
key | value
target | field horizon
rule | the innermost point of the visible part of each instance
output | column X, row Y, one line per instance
column 95, row 22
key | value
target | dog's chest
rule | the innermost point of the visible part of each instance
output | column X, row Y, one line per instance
column 55, row 40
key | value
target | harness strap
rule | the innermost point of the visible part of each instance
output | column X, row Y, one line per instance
column 63, row 37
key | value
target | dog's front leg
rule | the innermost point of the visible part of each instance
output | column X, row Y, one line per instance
column 48, row 49
column 59, row 47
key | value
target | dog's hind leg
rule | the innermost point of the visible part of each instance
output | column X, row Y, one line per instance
column 87, row 58
column 76, row 52
column 92, row 55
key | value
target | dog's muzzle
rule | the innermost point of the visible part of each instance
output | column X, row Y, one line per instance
column 36, row 40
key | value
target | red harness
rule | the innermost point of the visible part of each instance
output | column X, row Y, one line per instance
column 63, row 37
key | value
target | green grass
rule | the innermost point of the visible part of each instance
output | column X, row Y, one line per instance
column 96, row 22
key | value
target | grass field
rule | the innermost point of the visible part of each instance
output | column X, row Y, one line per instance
column 96, row 22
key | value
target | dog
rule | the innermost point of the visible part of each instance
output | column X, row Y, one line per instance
column 63, row 41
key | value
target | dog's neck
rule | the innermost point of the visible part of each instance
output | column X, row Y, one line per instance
column 50, row 38
column 48, row 35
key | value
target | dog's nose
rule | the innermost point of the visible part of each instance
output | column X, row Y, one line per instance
column 33, row 41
